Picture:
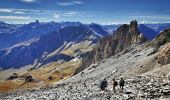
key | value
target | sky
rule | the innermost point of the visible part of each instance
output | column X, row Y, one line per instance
column 85, row 11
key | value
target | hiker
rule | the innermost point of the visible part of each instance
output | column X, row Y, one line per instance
column 85, row 84
column 114, row 84
column 121, row 83
column 103, row 85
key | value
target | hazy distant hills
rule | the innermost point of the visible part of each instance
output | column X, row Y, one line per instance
column 158, row 27
column 4, row 27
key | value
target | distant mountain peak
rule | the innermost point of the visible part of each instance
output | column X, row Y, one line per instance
column 37, row 21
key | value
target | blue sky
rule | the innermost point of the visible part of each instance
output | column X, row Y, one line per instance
column 85, row 11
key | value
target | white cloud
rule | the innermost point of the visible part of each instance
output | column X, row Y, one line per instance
column 70, row 3
column 29, row 1
column 27, row 10
column 5, row 10
column 144, row 22
column 148, row 22
column 56, row 15
column 64, row 14
column 65, row 3
column 19, row 12
column 15, row 17
column 69, row 14
column 152, row 17
column 78, row 2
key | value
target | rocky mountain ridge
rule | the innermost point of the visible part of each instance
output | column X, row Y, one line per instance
column 11, row 34
column 125, row 36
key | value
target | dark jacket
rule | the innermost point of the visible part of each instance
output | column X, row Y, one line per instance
column 103, row 83
column 121, row 82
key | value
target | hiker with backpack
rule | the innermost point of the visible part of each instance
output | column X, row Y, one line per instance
column 121, row 83
column 114, row 82
column 103, row 85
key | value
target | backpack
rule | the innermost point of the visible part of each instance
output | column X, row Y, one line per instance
column 122, row 82
column 103, row 83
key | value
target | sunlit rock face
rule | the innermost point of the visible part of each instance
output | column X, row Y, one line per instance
column 125, row 36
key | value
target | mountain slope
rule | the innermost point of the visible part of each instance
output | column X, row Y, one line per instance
column 158, row 27
column 147, row 32
column 144, row 79
column 24, row 55
column 125, row 36
column 26, row 32
column 98, row 30
column 4, row 27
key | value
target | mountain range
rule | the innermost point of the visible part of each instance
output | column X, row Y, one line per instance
column 30, row 44
column 24, row 54
column 71, row 62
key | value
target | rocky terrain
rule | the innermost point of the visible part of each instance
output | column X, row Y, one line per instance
column 144, row 66
column 145, row 85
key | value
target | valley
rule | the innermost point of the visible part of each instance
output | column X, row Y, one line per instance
column 62, row 66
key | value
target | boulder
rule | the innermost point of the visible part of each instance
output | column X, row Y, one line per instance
column 50, row 78
column 29, row 78
column 12, row 77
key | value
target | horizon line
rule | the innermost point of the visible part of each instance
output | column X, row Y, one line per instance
column 87, row 23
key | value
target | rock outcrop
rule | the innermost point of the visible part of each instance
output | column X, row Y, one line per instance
column 125, row 36
column 162, row 38
column 29, row 78
column 162, row 46
column 14, row 76
column 163, row 56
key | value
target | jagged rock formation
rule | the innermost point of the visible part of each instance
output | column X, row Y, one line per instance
column 125, row 36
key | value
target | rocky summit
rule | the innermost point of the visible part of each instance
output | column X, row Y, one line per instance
column 123, row 39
